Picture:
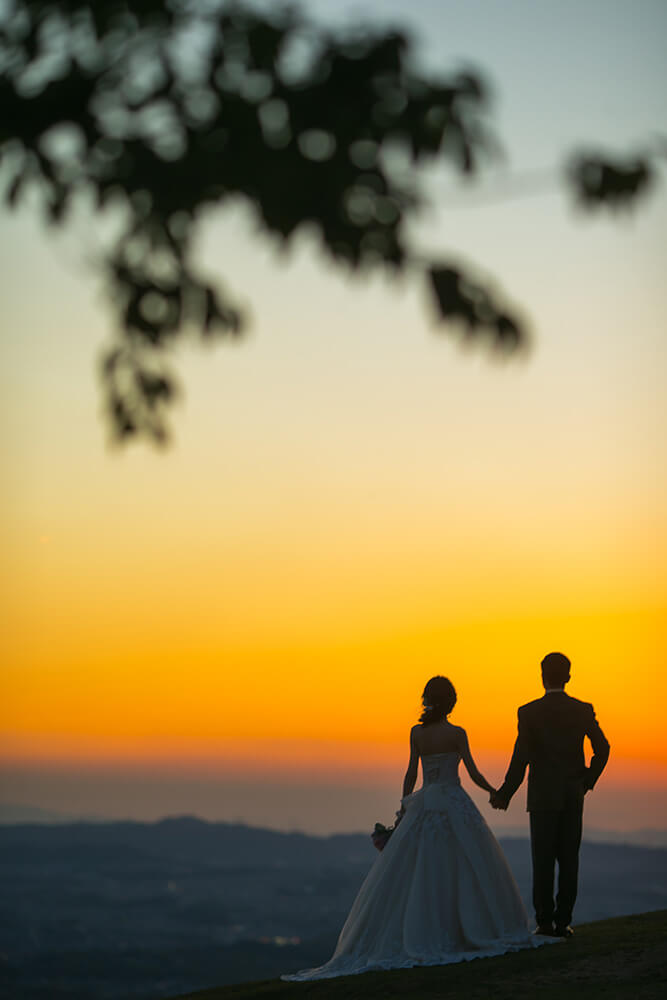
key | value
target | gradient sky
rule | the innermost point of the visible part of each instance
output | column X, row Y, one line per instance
column 353, row 502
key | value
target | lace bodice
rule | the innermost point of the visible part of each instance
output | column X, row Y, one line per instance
column 441, row 768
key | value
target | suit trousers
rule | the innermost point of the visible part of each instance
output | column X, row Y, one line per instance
column 555, row 836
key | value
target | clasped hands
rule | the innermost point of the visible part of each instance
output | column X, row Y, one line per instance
column 496, row 801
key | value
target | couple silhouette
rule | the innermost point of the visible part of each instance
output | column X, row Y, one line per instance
column 441, row 890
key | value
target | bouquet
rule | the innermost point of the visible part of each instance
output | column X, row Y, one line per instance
column 382, row 833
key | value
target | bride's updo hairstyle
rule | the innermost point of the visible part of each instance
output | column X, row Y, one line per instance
column 439, row 698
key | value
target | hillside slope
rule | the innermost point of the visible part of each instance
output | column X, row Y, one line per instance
column 620, row 959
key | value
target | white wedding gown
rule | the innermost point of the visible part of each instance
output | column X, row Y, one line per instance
column 440, row 892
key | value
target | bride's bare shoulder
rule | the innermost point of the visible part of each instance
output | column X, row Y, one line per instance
column 415, row 734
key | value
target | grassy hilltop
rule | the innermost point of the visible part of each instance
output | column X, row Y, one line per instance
column 620, row 959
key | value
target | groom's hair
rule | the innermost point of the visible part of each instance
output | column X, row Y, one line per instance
column 556, row 669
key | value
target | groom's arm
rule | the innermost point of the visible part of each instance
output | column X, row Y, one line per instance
column 600, row 746
column 517, row 769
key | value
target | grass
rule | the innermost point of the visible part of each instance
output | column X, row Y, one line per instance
column 620, row 959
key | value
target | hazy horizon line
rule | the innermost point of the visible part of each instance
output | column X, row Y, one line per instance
column 16, row 814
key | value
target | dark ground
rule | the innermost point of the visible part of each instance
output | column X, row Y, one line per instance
column 620, row 959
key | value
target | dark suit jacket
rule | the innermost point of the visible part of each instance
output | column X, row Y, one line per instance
column 550, row 742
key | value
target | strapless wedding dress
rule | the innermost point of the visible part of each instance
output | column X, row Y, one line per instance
column 440, row 892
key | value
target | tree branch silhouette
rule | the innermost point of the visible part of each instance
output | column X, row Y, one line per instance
column 164, row 108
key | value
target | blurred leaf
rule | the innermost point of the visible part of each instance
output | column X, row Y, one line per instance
column 598, row 181
column 474, row 309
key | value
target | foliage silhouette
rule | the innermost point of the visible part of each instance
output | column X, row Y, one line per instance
column 163, row 108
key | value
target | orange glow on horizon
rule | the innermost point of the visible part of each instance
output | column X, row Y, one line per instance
column 251, row 710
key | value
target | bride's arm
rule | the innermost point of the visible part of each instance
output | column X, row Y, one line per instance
column 413, row 765
column 470, row 765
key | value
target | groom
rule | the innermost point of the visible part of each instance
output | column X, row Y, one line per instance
column 550, row 742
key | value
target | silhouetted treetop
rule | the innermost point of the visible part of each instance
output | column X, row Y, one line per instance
column 163, row 108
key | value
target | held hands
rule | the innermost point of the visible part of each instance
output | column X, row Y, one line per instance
column 496, row 801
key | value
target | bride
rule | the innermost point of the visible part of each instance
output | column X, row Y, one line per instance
column 441, row 891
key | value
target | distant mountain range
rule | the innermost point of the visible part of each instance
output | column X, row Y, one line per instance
column 96, row 911
column 12, row 814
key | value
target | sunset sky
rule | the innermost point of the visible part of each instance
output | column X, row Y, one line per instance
column 241, row 625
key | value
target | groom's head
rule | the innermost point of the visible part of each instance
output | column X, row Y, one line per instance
column 555, row 670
